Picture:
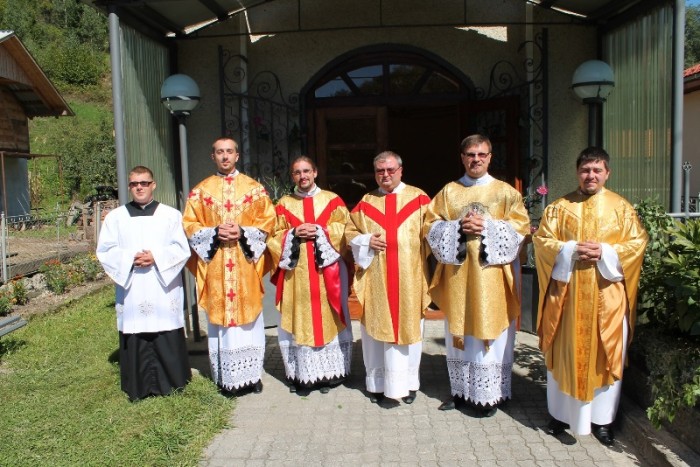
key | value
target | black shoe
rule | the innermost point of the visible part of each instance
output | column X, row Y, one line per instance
column 486, row 412
column 376, row 397
column 410, row 398
column 555, row 427
column 292, row 388
column 604, row 434
column 324, row 389
column 258, row 387
column 450, row 404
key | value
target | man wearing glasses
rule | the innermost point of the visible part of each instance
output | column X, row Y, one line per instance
column 227, row 219
column 384, row 233
column 475, row 227
column 315, row 335
column 143, row 248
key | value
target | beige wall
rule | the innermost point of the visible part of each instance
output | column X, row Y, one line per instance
column 296, row 57
column 691, row 138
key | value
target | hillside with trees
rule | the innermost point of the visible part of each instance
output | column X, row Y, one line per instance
column 69, row 40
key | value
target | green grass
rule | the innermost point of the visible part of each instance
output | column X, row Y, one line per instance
column 61, row 402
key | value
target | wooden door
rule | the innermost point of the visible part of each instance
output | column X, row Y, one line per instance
column 347, row 139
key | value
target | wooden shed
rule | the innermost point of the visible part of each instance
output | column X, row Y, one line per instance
column 25, row 92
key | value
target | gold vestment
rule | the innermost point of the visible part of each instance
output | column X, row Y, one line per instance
column 477, row 301
column 580, row 323
column 306, row 279
column 393, row 290
column 229, row 287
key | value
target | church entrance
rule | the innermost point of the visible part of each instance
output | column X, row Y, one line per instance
column 408, row 101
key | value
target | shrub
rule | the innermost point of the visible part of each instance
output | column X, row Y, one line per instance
column 669, row 300
column 89, row 266
column 19, row 292
column 5, row 303
column 56, row 276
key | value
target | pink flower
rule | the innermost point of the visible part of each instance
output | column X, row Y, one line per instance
column 542, row 190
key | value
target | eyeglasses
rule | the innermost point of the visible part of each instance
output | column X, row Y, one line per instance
column 481, row 155
column 142, row 183
column 391, row 171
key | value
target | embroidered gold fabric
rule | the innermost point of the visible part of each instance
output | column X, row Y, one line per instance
column 370, row 285
column 295, row 303
column 580, row 323
column 477, row 301
column 230, row 287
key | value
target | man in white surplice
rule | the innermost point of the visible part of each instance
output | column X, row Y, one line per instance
column 143, row 248
column 474, row 227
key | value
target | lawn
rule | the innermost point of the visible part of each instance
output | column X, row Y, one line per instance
column 61, row 404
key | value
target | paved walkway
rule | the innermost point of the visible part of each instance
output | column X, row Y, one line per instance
column 343, row 427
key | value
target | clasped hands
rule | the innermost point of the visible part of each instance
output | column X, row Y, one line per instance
column 588, row 251
column 229, row 232
column 306, row 231
column 144, row 259
column 472, row 223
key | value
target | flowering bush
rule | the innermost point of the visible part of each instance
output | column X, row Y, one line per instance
column 5, row 303
column 57, row 278
column 19, row 292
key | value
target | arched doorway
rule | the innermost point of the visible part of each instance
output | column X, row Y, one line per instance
column 406, row 100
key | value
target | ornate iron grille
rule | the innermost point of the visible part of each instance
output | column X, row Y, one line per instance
column 262, row 119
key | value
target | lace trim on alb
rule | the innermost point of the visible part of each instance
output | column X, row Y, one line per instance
column 481, row 383
column 311, row 364
column 501, row 242
column 443, row 239
column 255, row 239
column 235, row 368
column 325, row 253
column 202, row 242
column 286, row 261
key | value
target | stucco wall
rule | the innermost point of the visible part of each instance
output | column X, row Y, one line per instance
column 296, row 56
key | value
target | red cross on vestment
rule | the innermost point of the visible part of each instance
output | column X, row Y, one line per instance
column 390, row 220
column 331, row 273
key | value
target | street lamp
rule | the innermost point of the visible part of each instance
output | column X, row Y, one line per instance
column 592, row 82
column 180, row 95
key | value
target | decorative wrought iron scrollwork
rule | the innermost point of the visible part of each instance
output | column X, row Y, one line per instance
column 527, row 81
column 257, row 114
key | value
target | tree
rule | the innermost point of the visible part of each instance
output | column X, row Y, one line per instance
column 692, row 35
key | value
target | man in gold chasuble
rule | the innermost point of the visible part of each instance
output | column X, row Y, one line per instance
column 589, row 250
column 227, row 219
column 384, row 234
column 315, row 335
column 475, row 227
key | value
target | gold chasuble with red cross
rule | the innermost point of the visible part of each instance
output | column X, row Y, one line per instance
column 309, row 296
column 229, row 287
column 393, row 290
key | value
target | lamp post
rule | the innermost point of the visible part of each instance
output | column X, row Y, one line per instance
column 592, row 82
column 180, row 95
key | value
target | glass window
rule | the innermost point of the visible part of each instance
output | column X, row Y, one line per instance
column 368, row 79
column 403, row 78
column 438, row 83
column 333, row 88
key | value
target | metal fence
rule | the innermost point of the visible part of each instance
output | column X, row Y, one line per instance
column 28, row 241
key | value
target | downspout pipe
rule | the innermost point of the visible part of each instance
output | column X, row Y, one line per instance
column 115, row 56
column 677, row 109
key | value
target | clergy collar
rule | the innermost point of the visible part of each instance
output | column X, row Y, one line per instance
column 307, row 194
column 399, row 188
column 136, row 210
column 232, row 174
column 466, row 180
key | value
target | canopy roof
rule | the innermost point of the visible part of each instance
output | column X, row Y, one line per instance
column 181, row 18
